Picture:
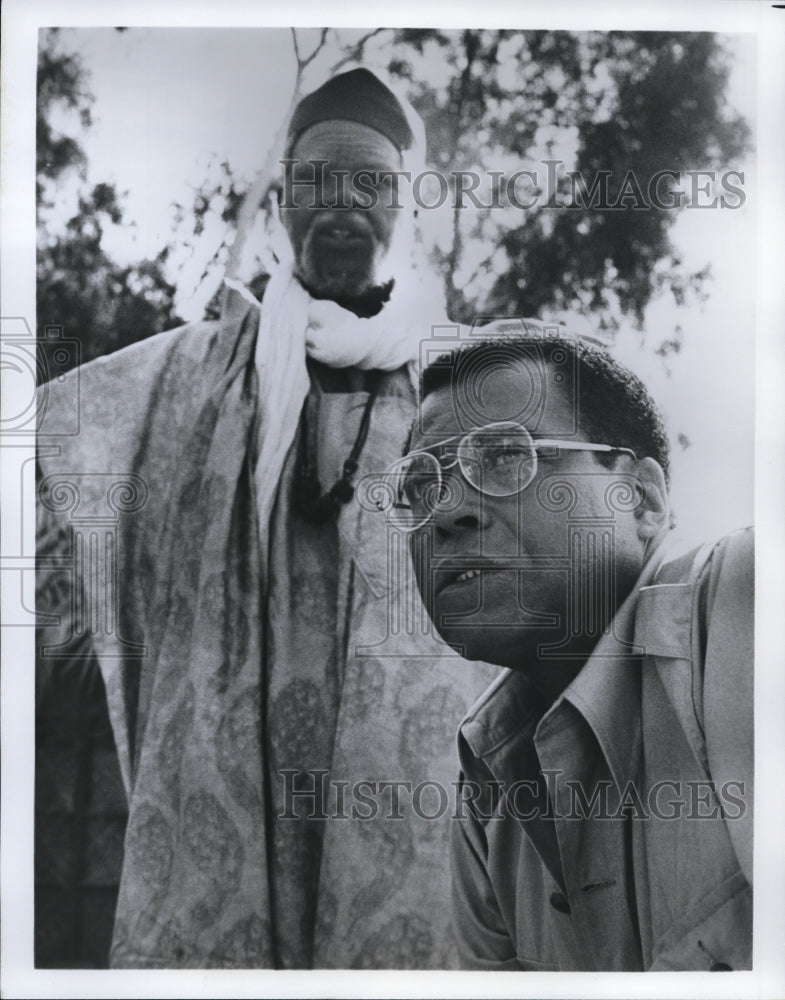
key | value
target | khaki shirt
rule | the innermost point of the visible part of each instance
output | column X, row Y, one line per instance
column 613, row 831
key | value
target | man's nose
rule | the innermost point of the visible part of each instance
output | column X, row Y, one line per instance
column 461, row 509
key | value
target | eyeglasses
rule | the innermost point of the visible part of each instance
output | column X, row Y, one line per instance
column 499, row 460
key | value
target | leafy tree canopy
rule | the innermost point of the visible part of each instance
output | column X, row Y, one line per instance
column 80, row 290
column 615, row 108
column 618, row 105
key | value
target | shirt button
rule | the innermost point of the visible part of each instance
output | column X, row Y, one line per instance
column 560, row 902
column 721, row 967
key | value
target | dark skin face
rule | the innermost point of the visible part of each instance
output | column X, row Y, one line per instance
column 508, row 579
column 340, row 251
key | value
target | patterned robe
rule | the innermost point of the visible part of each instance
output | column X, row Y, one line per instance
column 283, row 746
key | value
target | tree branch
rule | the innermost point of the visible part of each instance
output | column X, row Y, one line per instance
column 356, row 51
column 471, row 44
column 302, row 63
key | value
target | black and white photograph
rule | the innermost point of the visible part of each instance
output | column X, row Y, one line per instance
column 392, row 487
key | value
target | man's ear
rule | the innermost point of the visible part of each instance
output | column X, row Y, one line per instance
column 653, row 512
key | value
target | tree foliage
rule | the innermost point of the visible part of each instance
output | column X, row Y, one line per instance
column 618, row 104
column 80, row 290
column 61, row 81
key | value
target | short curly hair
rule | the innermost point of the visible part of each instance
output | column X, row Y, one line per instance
column 613, row 405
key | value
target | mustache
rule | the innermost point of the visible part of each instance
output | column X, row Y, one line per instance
column 342, row 228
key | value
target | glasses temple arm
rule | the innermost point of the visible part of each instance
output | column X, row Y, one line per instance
column 579, row 446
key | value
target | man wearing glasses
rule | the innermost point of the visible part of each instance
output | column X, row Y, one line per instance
column 605, row 811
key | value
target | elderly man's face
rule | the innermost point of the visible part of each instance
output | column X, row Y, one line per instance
column 340, row 251
column 504, row 577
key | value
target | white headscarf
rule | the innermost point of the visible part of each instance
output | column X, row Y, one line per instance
column 294, row 326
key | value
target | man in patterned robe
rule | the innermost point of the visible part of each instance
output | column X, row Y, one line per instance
column 209, row 538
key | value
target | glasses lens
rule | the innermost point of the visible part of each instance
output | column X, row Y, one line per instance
column 410, row 491
column 499, row 459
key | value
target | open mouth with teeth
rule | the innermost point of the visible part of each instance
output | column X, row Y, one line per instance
column 445, row 580
column 445, row 576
